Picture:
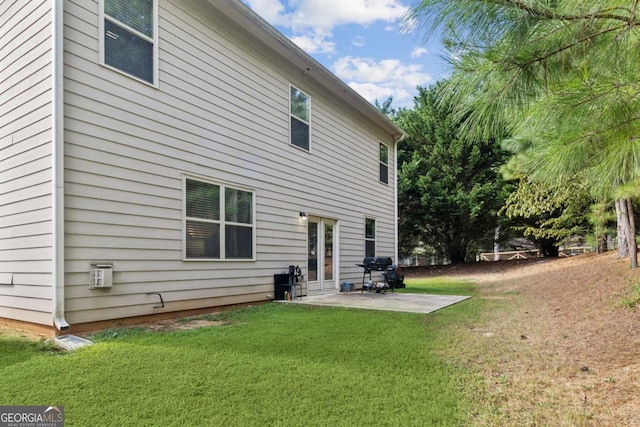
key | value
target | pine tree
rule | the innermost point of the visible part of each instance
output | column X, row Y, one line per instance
column 564, row 75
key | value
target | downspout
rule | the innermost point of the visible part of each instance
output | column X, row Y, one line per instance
column 395, row 191
column 57, row 143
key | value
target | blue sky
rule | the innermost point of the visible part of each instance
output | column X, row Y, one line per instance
column 362, row 42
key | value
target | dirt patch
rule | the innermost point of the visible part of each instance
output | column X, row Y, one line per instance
column 11, row 331
column 559, row 342
column 160, row 325
column 169, row 325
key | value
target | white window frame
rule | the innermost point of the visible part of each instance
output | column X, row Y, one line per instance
column 382, row 144
column 368, row 239
column 154, row 40
column 291, row 116
column 222, row 221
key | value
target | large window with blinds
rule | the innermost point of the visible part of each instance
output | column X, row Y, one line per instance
column 218, row 221
column 129, row 37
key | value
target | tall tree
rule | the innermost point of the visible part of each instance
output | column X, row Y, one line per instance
column 449, row 188
column 564, row 74
column 385, row 108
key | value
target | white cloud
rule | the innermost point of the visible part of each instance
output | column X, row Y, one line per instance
column 418, row 52
column 273, row 11
column 359, row 41
column 312, row 21
column 314, row 44
column 372, row 92
column 381, row 79
column 327, row 14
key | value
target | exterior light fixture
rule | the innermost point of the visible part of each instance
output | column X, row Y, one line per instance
column 303, row 215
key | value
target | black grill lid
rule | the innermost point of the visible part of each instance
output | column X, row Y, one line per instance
column 376, row 263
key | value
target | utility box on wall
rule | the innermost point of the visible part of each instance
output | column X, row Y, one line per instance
column 101, row 276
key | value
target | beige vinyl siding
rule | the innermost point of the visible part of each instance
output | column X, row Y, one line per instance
column 220, row 112
column 25, row 161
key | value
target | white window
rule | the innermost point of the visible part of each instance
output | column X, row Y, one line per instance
column 218, row 221
column 369, row 237
column 129, row 37
column 384, row 163
column 300, row 111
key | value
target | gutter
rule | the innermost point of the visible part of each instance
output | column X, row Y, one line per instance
column 57, row 143
column 395, row 191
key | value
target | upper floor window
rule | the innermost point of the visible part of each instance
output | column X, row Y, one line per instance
column 219, row 221
column 369, row 237
column 300, row 104
column 384, row 163
column 129, row 37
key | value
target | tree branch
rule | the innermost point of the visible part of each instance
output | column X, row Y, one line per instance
column 569, row 46
column 603, row 14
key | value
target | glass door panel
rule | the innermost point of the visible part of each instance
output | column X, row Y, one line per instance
column 312, row 253
column 328, row 252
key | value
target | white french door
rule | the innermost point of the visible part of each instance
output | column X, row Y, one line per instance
column 322, row 256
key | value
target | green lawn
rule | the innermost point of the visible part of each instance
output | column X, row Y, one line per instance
column 275, row 364
column 439, row 286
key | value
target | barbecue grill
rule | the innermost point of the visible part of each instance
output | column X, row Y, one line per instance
column 370, row 264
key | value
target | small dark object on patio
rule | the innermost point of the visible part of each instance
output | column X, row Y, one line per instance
column 370, row 264
column 393, row 279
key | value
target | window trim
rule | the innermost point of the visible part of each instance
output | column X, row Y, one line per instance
column 154, row 40
column 381, row 163
column 291, row 116
column 375, row 234
column 222, row 221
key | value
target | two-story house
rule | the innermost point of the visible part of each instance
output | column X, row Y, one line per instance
column 160, row 156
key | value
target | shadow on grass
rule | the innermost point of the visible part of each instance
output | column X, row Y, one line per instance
column 439, row 286
column 17, row 350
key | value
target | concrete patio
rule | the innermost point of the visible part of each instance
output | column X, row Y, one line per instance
column 412, row 303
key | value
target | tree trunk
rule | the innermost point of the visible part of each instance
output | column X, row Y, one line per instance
column 622, row 225
column 626, row 227
column 602, row 241
column 633, row 246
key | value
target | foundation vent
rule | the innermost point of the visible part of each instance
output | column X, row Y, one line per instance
column 101, row 276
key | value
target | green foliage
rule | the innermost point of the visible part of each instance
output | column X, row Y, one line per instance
column 563, row 75
column 449, row 188
column 549, row 214
column 602, row 218
column 631, row 299
column 276, row 364
column 386, row 108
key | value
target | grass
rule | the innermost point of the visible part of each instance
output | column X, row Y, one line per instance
column 632, row 298
column 276, row 364
column 439, row 286
column 16, row 350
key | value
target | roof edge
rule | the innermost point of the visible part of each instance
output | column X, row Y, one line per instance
column 243, row 16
